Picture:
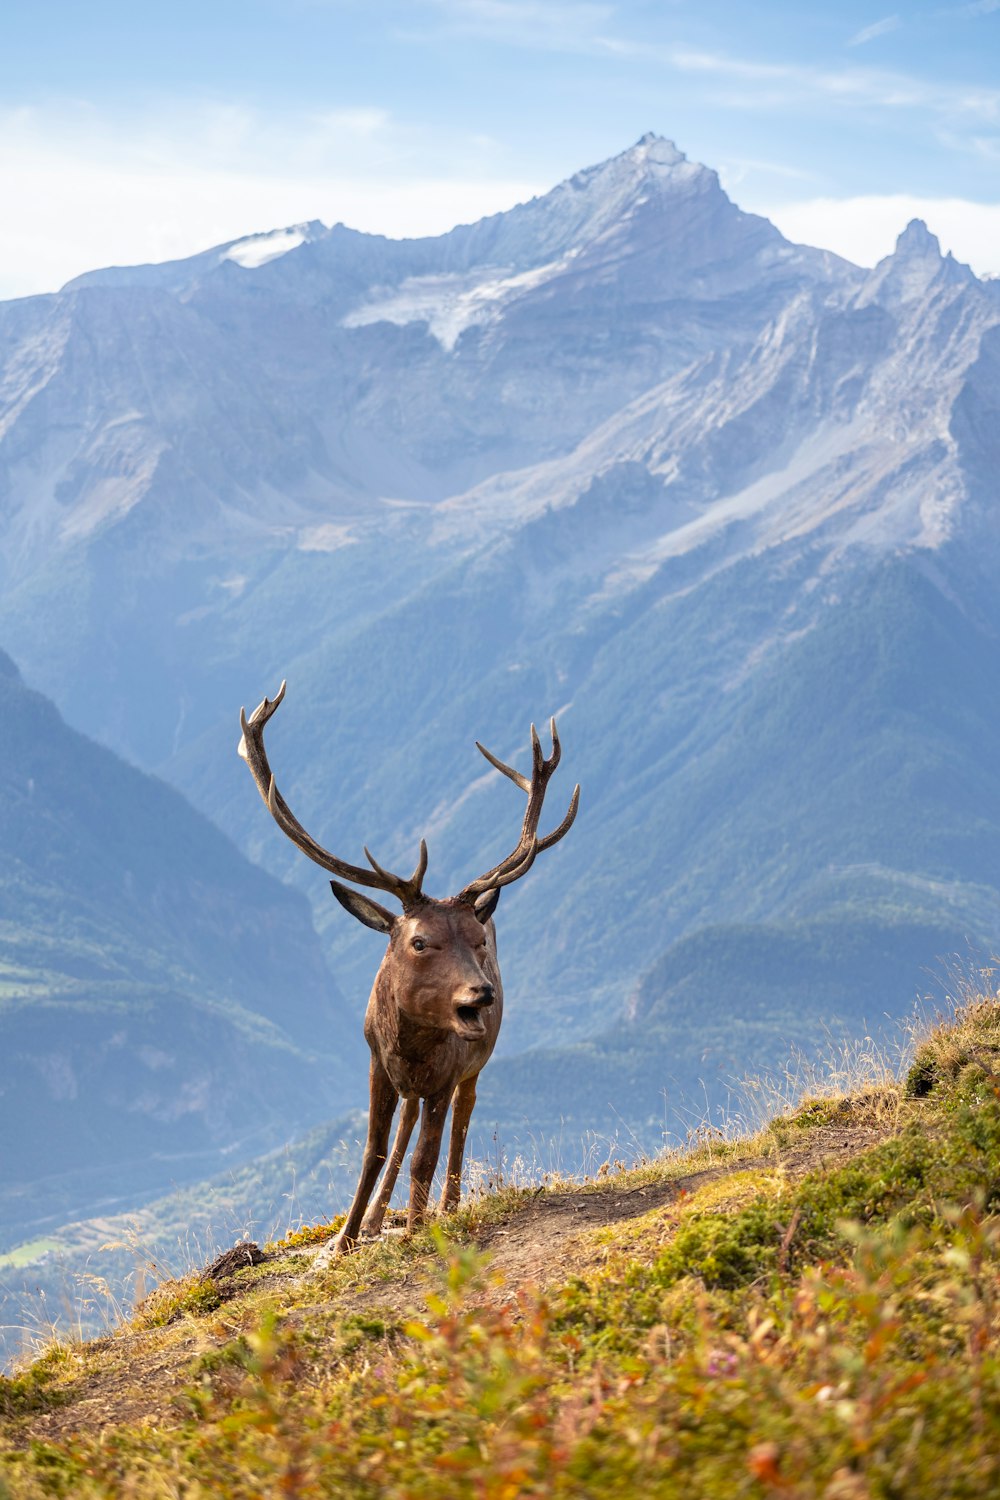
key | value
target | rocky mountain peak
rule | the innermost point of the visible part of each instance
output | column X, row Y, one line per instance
column 915, row 265
column 917, row 243
column 655, row 151
column 648, row 180
column 652, row 163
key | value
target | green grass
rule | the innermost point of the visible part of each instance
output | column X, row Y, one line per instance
column 28, row 1253
column 826, row 1335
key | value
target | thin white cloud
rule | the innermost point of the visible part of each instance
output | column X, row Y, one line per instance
column 80, row 191
column 975, row 8
column 864, row 229
column 536, row 25
column 877, row 29
column 735, row 170
column 983, row 147
column 689, row 60
column 526, row 12
column 791, row 85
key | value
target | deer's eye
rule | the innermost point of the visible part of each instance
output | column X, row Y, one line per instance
column 419, row 944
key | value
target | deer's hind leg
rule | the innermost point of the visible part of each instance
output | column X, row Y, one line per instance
column 371, row 1224
column 461, row 1112
column 381, row 1107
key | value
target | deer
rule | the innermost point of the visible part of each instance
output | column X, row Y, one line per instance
column 435, row 1008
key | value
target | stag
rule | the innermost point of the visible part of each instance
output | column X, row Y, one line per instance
column 434, row 1012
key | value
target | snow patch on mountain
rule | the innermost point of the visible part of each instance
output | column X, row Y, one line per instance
column 257, row 249
column 326, row 537
column 451, row 302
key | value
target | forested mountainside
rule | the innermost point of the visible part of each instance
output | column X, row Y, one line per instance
column 724, row 504
column 164, row 1003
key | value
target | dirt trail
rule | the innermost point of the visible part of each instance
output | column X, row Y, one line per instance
column 533, row 1246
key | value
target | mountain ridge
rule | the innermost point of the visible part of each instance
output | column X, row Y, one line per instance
column 653, row 490
column 581, row 208
column 144, row 994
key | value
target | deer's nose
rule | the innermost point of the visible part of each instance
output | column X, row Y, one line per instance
column 483, row 994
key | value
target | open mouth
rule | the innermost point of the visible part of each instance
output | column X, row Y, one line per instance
column 471, row 1018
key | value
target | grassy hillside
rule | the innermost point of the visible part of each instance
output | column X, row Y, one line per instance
column 81, row 1275
column 811, row 1312
column 727, row 1001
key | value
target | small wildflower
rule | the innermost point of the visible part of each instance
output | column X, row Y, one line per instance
column 721, row 1362
column 762, row 1461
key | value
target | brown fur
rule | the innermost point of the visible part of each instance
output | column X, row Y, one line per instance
column 426, row 1045
column 436, row 1005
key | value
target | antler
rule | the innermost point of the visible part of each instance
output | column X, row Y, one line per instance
column 251, row 748
column 520, row 860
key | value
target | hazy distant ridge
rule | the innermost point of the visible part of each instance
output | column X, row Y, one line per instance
column 724, row 503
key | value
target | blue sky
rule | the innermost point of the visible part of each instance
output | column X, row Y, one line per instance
column 134, row 132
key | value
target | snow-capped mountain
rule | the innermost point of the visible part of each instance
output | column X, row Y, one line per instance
column 724, row 503
column 307, row 376
column 840, row 399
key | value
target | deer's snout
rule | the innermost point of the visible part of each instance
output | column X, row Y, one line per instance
column 469, row 1012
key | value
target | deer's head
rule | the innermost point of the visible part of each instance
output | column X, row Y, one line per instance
column 440, row 963
column 441, row 957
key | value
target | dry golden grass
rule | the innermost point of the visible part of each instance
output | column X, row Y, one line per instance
column 847, row 1246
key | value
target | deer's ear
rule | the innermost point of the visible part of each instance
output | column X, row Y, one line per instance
column 487, row 905
column 365, row 910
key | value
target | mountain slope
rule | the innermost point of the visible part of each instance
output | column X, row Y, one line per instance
column 249, row 402
column 723, row 504
column 809, row 1310
column 163, row 1003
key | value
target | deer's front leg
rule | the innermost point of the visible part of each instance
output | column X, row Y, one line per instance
column 462, row 1107
column 382, row 1103
column 371, row 1224
column 425, row 1157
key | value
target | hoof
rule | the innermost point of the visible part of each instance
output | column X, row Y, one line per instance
column 332, row 1248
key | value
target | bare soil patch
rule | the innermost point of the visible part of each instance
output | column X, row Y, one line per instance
column 534, row 1244
column 537, row 1244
